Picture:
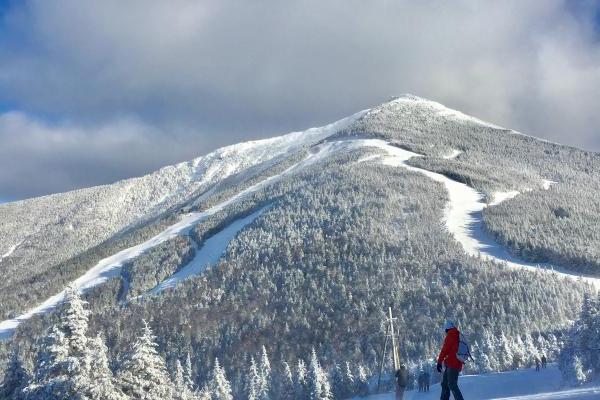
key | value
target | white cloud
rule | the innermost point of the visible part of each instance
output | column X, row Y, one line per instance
column 235, row 70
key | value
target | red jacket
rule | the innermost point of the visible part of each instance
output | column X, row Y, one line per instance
column 449, row 350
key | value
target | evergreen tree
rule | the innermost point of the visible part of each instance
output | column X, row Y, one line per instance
column 183, row 389
column 15, row 378
column 144, row 375
column 264, row 392
column 101, row 385
column 253, row 381
column 218, row 386
column 318, row 387
column 286, row 387
column 300, row 381
column 339, row 387
column 362, row 381
column 63, row 364
column 48, row 381
column 349, row 378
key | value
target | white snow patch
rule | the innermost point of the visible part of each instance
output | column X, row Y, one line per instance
column 500, row 197
column 208, row 254
column 455, row 153
column 547, row 184
column 9, row 252
column 526, row 384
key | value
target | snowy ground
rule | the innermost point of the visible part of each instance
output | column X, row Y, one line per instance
column 514, row 385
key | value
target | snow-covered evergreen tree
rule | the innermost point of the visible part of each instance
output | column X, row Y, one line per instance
column 218, row 386
column 183, row 389
column 143, row 374
column 361, row 381
column 101, row 380
column 286, row 386
column 300, row 380
column 15, row 378
column 51, row 379
column 339, row 387
column 264, row 389
column 318, row 386
column 349, row 378
column 253, row 381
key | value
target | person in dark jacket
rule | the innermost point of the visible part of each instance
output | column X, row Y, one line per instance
column 453, row 365
column 401, row 381
column 544, row 361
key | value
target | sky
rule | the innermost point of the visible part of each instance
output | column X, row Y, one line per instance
column 96, row 91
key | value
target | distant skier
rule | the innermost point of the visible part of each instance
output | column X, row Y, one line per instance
column 537, row 364
column 544, row 361
column 426, row 380
column 420, row 381
column 451, row 362
column 401, row 381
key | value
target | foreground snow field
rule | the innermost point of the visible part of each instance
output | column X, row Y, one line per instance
column 522, row 385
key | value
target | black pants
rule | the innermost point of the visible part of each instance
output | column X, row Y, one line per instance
column 450, row 384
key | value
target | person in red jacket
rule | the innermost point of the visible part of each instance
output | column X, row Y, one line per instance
column 453, row 365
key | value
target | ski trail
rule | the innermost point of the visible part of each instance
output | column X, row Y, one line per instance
column 111, row 266
column 463, row 215
column 210, row 252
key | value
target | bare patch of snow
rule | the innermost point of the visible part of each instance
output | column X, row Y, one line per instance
column 455, row 153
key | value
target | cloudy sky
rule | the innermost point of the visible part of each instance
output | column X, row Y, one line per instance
column 95, row 91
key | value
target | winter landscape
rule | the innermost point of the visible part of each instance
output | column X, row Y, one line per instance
column 335, row 262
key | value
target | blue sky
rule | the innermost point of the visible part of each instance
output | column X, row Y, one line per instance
column 96, row 91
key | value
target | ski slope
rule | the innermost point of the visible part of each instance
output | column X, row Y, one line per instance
column 210, row 252
column 526, row 384
column 463, row 214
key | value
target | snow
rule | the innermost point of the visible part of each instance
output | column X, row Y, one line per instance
column 526, row 384
column 443, row 111
column 500, row 197
column 9, row 252
column 463, row 215
column 111, row 266
column 455, row 153
column 209, row 253
column 547, row 184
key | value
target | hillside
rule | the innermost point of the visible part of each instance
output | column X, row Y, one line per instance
column 302, row 242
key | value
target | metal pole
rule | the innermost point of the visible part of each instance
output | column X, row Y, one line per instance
column 387, row 331
column 394, row 348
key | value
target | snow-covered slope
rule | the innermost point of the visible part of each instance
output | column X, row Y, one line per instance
column 38, row 233
column 527, row 384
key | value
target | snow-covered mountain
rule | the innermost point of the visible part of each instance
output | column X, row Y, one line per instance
column 303, row 240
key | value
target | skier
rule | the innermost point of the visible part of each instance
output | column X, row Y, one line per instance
column 401, row 381
column 452, row 363
column 537, row 364
column 544, row 361
column 426, row 380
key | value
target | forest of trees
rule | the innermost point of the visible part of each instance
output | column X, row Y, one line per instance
column 70, row 364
